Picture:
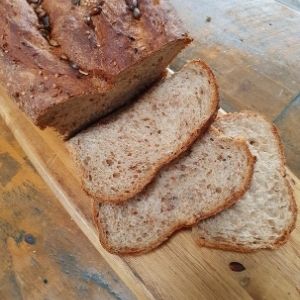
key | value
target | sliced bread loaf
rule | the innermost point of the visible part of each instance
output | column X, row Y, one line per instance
column 119, row 156
column 266, row 214
column 208, row 178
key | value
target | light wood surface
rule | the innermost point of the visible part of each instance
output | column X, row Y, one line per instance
column 177, row 270
column 43, row 253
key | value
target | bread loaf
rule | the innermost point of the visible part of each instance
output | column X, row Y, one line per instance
column 67, row 63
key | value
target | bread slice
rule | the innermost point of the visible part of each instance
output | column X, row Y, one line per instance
column 120, row 155
column 208, row 178
column 266, row 214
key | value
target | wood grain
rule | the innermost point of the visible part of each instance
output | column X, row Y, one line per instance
column 43, row 254
column 289, row 124
column 178, row 269
column 295, row 4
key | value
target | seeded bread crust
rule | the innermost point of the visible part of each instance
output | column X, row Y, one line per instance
column 226, row 203
column 66, row 66
column 283, row 238
column 72, row 144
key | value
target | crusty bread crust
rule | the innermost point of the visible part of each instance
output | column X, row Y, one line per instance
column 228, row 202
column 82, row 78
column 227, row 246
column 165, row 161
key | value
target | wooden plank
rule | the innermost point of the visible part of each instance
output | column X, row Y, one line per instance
column 289, row 124
column 177, row 270
column 43, row 254
column 295, row 4
column 262, row 36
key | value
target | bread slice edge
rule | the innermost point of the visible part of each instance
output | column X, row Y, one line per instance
column 227, row 203
column 227, row 246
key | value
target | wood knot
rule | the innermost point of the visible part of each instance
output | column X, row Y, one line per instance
column 236, row 266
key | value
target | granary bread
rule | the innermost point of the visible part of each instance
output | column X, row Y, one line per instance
column 67, row 63
column 266, row 214
column 208, row 178
column 120, row 155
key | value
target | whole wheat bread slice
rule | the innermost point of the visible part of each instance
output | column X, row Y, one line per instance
column 208, row 178
column 266, row 214
column 119, row 156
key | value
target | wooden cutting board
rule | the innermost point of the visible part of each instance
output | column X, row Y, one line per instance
column 177, row 270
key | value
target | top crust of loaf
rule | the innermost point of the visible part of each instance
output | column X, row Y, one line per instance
column 173, row 200
column 203, row 237
column 147, row 135
column 38, row 75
